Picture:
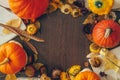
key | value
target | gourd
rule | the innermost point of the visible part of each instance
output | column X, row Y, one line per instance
column 29, row 9
column 86, row 74
column 100, row 7
column 64, row 76
column 12, row 58
column 106, row 34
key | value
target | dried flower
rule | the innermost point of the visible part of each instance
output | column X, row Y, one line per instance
column 76, row 12
column 111, row 15
column 66, row 8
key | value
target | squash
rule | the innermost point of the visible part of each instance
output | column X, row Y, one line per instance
column 106, row 34
column 12, row 58
column 74, row 70
column 100, row 7
column 94, row 48
column 86, row 74
column 29, row 9
column 31, row 29
column 64, row 76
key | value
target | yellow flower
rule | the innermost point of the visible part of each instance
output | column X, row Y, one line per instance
column 100, row 7
column 66, row 8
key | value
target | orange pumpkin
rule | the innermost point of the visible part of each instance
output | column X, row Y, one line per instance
column 29, row 9
column 87, row 75
column 106, row 33
column 12, row 58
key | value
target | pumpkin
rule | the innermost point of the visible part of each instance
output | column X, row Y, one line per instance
column 64, row 76
column 75, row 69
column 29, row 9
column 100, row 7
column 12, row 58
column 106, row 33
column 86, row 74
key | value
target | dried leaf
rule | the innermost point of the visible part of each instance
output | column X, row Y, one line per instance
column 14, row 23
column 10, row 77
column 90, row 19
column 37, row 65
column 35, row 57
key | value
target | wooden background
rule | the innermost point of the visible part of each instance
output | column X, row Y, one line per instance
column 65, row 43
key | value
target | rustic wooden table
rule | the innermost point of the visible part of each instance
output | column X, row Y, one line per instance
column 65, row 43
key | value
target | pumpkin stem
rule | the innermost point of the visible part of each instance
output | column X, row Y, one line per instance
column 4, row 61
column 107, row 32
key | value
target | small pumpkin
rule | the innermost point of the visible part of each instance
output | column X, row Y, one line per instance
column 29, row 9
column 106, row 33
column 64, row 76
column 100, row 7
column 74, row 70
column 32, row 29
column 12, row 58
column 86, row 74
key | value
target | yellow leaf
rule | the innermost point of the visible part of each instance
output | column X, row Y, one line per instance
column 13, row 23
column 10, row 77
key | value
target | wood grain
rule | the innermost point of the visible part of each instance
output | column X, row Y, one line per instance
column 65, row 43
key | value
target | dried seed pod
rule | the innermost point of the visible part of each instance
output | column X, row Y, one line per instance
column 66, row 8
column 76, row 12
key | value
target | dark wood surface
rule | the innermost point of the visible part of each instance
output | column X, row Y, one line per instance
column 65, row 43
